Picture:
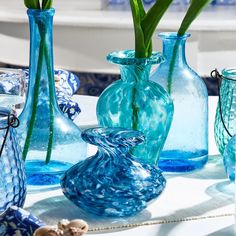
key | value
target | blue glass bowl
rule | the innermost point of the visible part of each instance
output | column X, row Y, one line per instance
column 112, row 182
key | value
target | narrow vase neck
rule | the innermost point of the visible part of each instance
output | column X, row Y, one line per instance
column 174, row 50
column 135, row 73
column 41, row 69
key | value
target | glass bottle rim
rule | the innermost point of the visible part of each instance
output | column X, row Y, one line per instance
column 127, row 57
column 173, row 35
column 229, row 73
column 39, row 12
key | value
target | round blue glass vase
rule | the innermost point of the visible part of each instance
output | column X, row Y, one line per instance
column 229, row 157
column 226, row 110
column 12, row 174
column 134, row 102
column 186, row 147
column 112, row 182
column 51, row 142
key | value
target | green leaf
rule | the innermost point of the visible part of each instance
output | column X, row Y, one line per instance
column 138, row 13
column 195, row 8
column 47, row 4
column 32, row 4
column 153, row 17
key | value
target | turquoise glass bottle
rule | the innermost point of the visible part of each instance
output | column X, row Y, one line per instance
column 134, row 102
column 51, row 143
column 186, row 147
column 225, row 129
column 112, row 182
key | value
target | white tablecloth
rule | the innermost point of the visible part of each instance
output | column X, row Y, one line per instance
column 198, row 203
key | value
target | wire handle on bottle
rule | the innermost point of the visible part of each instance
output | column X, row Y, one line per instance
column 216, row 75
column 12, row 121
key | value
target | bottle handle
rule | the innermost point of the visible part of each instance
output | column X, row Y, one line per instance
column 12, row 121
column 216, row 75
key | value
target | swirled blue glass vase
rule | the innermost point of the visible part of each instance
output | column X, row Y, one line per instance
column 134, row 102
column 229, row 157
column 186, row 147
column 112, row 182
column 12, row 174
column 51, row 142
column 226, row 109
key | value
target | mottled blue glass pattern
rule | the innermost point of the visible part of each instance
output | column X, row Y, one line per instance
column 112, row 182
column 134, row 102
column 186, row 147
column 51, row 142
column 228, row 109
column 12, row 175
column 229, row 158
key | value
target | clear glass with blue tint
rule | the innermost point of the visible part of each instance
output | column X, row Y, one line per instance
column 51, row 143
column 186, row 147
column 112, row 182
column 136, row 103
column 12, row 175
column 228, row 109
column 229, row 158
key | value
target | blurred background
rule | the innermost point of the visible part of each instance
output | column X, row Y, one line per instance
column 85, row 31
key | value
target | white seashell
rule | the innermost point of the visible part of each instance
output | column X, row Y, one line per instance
column 63, row 223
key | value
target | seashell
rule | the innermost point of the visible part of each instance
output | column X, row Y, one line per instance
column 79, row 224
column 62, row 224
column 72, row 231
column 48, row 231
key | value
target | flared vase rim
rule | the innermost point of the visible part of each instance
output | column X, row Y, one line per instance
column 38, row 12
column 127, row 57
column 17, row 73
column 229, row 73
column 173, row 35
column 113, row 136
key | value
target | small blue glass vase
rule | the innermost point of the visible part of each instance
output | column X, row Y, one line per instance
column 12, row 174
column 225, row 119
column 112, row 182
column 186, row 147
column 51, row 142
column 134, row 102
column 229, row 158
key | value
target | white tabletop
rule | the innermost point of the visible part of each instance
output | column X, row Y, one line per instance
column 198, row 203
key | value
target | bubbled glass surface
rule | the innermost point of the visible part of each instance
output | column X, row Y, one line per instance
column 134, row 102
column 12, row 175
column 228, row 108
column 229, row 158
column 112, row 182
column 186, row 147
column 54, row 142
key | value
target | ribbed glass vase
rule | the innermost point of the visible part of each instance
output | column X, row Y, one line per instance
column 228, row 109
column 12, row 174
column 51, row 143
column 186, row 147
column 134, row 102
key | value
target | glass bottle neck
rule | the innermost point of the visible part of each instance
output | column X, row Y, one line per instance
column 174, row 51
column 135, row 73
column 41, row 69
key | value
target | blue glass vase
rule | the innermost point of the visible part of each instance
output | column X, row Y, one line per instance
column 229, row 157
column 136, row 103
column 226, row 109
column 186, row 147
column 12, row 175
column 112, row 182
column 51, row 143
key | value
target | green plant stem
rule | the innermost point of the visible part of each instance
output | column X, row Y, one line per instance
column 51, row 110
column 172, row 67
column 135, row 110
column 43, row 51
column 35, row 97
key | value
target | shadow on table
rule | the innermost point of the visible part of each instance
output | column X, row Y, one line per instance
column 229, row 231
column 62, row 208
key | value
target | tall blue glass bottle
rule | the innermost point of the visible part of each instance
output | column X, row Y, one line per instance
column 186, row 147
column 51, row 143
